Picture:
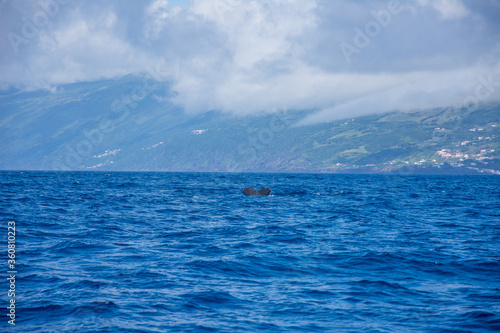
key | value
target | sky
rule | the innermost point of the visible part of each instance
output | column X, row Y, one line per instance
column 336, row 58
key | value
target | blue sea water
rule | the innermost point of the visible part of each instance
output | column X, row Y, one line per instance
column 188, row 252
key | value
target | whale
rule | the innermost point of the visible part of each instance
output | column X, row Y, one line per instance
column 250, row 191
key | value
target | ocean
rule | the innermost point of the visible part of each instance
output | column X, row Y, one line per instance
column 188, row 252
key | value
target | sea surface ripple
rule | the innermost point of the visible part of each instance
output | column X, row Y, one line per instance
column 188, row 252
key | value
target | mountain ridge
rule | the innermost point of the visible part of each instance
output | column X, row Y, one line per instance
column 113, row 125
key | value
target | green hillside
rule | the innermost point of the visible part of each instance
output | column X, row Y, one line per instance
column 98, row 126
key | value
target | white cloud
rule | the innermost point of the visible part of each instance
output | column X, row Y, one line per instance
column 447, row 8
column 260, row 39
column 417, row 91
column 254, row 56
column 158, row 13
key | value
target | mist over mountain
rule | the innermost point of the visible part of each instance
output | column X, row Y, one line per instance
column 130, row 124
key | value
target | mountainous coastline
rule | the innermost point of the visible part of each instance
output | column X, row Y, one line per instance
column 112, row 125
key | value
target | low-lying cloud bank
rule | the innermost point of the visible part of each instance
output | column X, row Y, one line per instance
column 339, row 57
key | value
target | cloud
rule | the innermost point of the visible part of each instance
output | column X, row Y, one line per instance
column 336, row 57
column 418, row 91
column 447, row 8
